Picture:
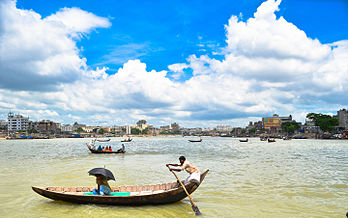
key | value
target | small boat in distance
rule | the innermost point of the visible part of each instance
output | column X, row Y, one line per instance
column 123, row 195
column 103, row 140
column 94, row 151
column 193, row 140
column 271, row 140
column 127, row 140
column 243, row 140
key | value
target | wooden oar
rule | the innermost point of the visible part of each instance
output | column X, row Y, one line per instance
column 194, row 206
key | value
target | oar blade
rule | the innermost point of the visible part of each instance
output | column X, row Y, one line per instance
column 196, row 210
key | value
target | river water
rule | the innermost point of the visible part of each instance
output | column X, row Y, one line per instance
column 296, row 178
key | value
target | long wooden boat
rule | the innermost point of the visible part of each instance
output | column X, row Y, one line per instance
column 104, row 152
column 126, row 140
column 123, row 195
column 243, row 140
column 195, row 140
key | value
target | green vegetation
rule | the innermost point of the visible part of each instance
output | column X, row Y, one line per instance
column 101, row 131
column 290, row 127
column 325, row 122
column 145, row 131
column 79, row 129
column 252, row 130
column 135, row 131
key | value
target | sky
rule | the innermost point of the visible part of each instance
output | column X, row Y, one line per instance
column 197, row 63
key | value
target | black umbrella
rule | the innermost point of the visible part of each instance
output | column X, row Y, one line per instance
column 102, row 171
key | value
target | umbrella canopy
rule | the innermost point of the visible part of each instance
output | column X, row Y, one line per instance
column 102, row 171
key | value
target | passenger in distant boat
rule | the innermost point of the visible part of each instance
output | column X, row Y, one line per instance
column 107, row 148
column 103, row 186
column 103, row 148
column 110, row 149
column 100, row 148
column 121, row 149
column 195, row 175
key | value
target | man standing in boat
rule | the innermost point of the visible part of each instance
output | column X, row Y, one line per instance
column 195, row 175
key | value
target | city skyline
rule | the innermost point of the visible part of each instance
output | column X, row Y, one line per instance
column 195, row 64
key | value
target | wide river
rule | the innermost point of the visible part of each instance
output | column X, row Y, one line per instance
column 296, row 178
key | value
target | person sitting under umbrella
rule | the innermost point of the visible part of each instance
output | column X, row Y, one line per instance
column 102, row 177
column 103, row 186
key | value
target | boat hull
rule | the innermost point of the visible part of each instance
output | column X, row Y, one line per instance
column 104, row 152
column 157, row 197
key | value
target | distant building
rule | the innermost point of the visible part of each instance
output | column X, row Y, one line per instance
column 3, row 125
column 17, row 122
column 190, row 131
column 310, row 127
column 128, row 130
column 164, row 128
column 77, row 125
column 342, row 116
column 273, row 124
column 89, row 129
column 224, row 128
column 45, row 126
column 67, row 128
column 175, row 127
column 141, row 124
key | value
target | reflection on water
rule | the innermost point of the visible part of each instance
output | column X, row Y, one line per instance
column 297, row 178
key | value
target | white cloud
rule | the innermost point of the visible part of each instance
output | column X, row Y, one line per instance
column 178, row 69
column 39, row 54
column 75, row 20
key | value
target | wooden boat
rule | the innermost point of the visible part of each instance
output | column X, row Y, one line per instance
column 243, row 140
column 271, row 140
column 126, row 140
column 123, row 195
column 103, row 140
column 104, row 152
column 196, row 140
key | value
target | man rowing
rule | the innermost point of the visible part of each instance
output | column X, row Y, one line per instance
column 195, row 175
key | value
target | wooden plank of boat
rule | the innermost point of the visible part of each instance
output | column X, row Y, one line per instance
column 134, row 195
column 105, row 152
column 127, row 140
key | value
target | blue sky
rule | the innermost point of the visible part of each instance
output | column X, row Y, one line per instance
column 113, row 62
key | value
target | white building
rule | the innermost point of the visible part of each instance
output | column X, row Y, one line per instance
column 67, row 128
column 17, row 122
column 223, row 128
column 128, row 129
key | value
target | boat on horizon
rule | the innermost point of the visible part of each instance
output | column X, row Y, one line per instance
column 127, row 140
column 195, row 140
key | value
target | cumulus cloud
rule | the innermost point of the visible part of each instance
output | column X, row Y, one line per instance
column 75, row 20
column 269, row 66
column 178, row 69
column 40, row 54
